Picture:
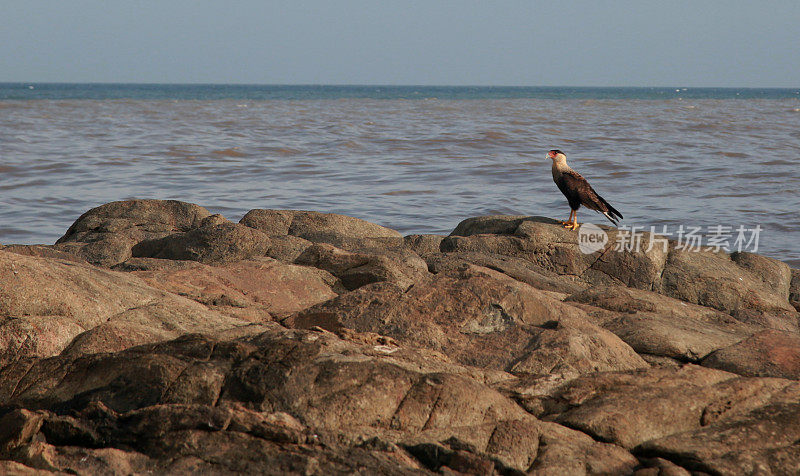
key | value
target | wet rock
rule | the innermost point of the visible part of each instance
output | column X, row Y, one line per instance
column 213, row 243
column 478, row 317
column 354, row 269
column 339, row 230
column 769, row 353
column 105, row 235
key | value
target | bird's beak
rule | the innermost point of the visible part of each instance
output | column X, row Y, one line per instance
column 547, row 157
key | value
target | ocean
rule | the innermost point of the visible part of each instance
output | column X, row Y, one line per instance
column 415, row 158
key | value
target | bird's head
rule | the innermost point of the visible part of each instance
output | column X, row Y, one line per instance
column 557, row 156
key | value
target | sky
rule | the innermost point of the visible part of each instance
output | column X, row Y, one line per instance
column 434, row 42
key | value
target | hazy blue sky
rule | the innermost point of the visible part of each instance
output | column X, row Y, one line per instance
column 590, row 43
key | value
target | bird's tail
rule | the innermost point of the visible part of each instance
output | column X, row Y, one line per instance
column 612, row 214
column 611, row 218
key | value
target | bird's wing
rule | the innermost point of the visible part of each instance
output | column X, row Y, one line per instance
column 588, row 197
column 581, row 188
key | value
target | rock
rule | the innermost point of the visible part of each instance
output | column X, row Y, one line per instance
column 282, row 401
column 18, row 427
column 775, row 274
column 494, row 225
column 42, row 251
column 629, row 409
column 252, row 289
column 769, row 353
column 478, row 317
column 213, row 243
column 341, row 231
column 556, row 250
column 714, row 280
column 112, row 337
column 763, row 441
column 403, row 268
column 111, row 249
column 287, row 248
column 105, row 235
column 517, row 268
column 794, row 289
column 45, row 303
column 423, row 244
column 660, row 467
column 658, row 325
column 505, row 351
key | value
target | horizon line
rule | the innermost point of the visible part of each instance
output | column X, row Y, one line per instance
column 376, row 85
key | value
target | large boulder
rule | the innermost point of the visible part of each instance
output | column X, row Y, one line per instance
column 105, row 235
column 549, row 246
column 658, row 325
column 356, row 269
column 339, row 230
column 737, row 285
column 482, row 318
column 631, row 408
column 45, row 303
column 251, row 289
column 769, row 353
column 761, row 441
column 212, row 242
column 517, row 268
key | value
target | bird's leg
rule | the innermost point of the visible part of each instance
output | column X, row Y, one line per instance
column 574, row 224
column 569, row 220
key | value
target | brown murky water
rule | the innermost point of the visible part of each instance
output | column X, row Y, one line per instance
column 419, row 166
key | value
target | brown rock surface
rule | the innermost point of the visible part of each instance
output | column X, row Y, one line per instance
column 45, row 303
column 794, row 289
column 769, row 353
column 500, row 349
column 556, row 250
column 339, row 230
column 356, row 269
column 282, row 399
column 479, row 317
column 211, row 243
column 105, row 235
column 659, row 325
column 256, row 288
column 714, row 280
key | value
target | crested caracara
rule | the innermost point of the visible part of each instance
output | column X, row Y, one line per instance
column 578, row 191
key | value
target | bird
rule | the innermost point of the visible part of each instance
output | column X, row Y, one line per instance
column 578, row 192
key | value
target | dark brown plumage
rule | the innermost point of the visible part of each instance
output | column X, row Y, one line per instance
column 578, row 191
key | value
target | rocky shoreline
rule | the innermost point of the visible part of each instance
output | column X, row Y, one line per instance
column 156, row 337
